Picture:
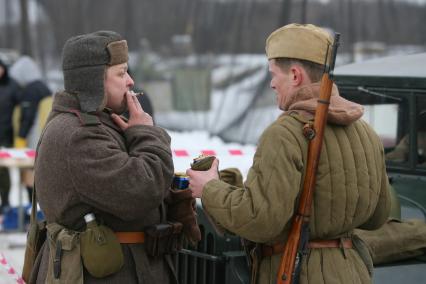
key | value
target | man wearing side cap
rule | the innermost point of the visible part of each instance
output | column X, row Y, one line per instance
column 351, row 186
column 93, row 162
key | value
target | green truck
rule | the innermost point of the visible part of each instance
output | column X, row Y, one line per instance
column 393, row 91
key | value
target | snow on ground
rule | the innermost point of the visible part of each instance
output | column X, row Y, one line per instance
column 12, row 250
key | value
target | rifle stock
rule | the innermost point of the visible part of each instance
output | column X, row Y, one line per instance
column 297, row 240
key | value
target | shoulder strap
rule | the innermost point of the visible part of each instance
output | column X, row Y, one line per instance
column 33, row 218
column 33, row 206
column 86, row 119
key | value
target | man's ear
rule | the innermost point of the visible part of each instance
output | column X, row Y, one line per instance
column 297, row 75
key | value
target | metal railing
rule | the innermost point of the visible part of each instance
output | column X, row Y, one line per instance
column 216, row 259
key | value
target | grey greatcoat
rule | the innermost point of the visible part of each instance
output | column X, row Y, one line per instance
column 122, row 177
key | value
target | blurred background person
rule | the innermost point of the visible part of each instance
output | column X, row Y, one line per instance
column 9, row 98
column 32, row 89
column 27, row 73
column 401, row 151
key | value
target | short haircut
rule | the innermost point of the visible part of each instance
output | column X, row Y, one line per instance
column 314, row 70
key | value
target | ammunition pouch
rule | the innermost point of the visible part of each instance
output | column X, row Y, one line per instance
column 163, row 239
column 64, row 255
column 97, row 248
column 101, row 251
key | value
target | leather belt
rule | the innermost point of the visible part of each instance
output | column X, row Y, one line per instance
column 315, row 244
column 130, row 237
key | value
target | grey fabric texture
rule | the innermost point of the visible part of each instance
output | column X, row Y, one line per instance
column 84, row 60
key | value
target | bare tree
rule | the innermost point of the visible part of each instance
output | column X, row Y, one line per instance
column 233, row 26
column 8, row 35
column 304, row 10
column 351, row 37
column 285, row 14
column 26, row 46
column 383, row 19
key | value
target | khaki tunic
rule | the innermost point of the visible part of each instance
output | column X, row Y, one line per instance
column 351, row 192
column 122, row 177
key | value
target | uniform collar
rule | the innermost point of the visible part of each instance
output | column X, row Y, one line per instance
column 67, row 102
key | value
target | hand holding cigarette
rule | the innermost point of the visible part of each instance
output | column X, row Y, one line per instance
column 136, row 114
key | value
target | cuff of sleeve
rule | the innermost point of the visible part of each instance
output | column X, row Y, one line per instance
column 211, row 190
column 209, row 193
column 147, row 129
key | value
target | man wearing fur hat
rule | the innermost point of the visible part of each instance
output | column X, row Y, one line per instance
column 351, row 187
column 92, row 160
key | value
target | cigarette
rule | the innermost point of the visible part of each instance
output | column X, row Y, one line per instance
column 136, row 94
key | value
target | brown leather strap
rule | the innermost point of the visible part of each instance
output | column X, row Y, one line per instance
column 337, row 243
column 272, row 250
column 315, row 244
column 130, row 237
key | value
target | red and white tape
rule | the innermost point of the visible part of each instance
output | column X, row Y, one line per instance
column 220, row 152
column 10, row 270
column 7, row 153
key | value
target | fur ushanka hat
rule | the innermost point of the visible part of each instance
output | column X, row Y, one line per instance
column 84, row 62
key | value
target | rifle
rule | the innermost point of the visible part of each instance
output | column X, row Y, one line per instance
column 298, row 238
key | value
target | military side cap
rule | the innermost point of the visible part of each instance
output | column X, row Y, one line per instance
column 306, row 42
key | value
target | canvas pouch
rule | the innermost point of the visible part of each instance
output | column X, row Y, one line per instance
column 101, row 251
